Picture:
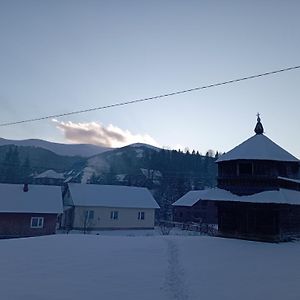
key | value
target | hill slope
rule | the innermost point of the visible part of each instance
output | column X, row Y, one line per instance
column 84, row 150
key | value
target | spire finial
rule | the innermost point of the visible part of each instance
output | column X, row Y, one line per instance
column 258, row 118
column 259, row 129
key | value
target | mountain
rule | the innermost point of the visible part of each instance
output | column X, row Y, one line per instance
column 84, row 150
column 40, row 159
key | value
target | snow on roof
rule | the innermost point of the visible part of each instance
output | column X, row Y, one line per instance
column 38, row 199
column 258, row 147
column 191, row 198
column 50, row 174
column 289, row 179
column 281, row 196
column 111, row 196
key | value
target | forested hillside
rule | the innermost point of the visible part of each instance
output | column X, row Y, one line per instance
column 168, row 174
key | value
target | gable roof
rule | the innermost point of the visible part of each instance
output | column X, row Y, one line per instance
column 281, row 196
column 50, row 174
column 111, row 196
column 258, row 147
column 191, row 198
column 38, row 199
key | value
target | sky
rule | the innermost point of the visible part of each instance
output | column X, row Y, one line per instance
column 68, row 55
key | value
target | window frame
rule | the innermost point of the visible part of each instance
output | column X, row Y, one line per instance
column 141, row 215
column 39, row 224
column 114, row 215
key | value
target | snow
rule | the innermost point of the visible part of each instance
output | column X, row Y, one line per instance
column 38, row 199
column 154, row 175
column 50, row 174
column 121, row 177
column 258, row 147
column 139, row 152
column 147, row 268
column 191, row 198
column 111, row 196
column 150, row 173
column 137, row 145
column 289, row 179
column 282, row 196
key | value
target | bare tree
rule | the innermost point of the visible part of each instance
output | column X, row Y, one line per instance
column 87, row 218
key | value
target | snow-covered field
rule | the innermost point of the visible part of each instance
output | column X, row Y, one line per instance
column 156, row 267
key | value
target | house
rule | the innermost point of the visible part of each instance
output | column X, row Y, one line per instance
column 29, row 210
column 258, row 195
column 191, row 208
column 94, row 207
column 49, row 177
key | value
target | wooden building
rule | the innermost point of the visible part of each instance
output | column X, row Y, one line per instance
column 262, row 199
column 257, row 196
column 96, row 207
column 29, row 210
column 191, row 208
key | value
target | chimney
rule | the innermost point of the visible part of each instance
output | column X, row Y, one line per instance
column 25, row 187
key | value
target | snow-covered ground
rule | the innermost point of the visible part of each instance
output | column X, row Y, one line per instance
column 77, row 266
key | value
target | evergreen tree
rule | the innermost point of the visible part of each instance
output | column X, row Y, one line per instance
column 11, row 166
column 25, row 171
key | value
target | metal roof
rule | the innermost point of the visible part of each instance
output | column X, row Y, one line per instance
column 38, row 199
column 111, row 196
column 258, row 147
column 281, row 196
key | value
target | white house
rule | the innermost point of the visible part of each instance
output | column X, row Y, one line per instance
column 92, row 207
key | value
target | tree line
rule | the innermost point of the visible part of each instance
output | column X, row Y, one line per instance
column 13, row 170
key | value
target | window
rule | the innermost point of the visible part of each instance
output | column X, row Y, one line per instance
column 141, row 215
column 114, row 215
column 89, row 215
column 37, row 222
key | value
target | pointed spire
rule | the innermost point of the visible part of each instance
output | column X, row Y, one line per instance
column 259, row 129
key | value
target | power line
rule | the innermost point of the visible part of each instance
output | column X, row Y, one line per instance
column 150, row 98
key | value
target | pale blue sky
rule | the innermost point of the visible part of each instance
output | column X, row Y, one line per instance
column 57, row 56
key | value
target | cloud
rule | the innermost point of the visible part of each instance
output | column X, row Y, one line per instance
column 97, row 134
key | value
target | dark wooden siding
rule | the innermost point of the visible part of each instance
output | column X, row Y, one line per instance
column 246, row 177
column 255, row 221
column 18, row 224
column 290, row 220
column 202, row 211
